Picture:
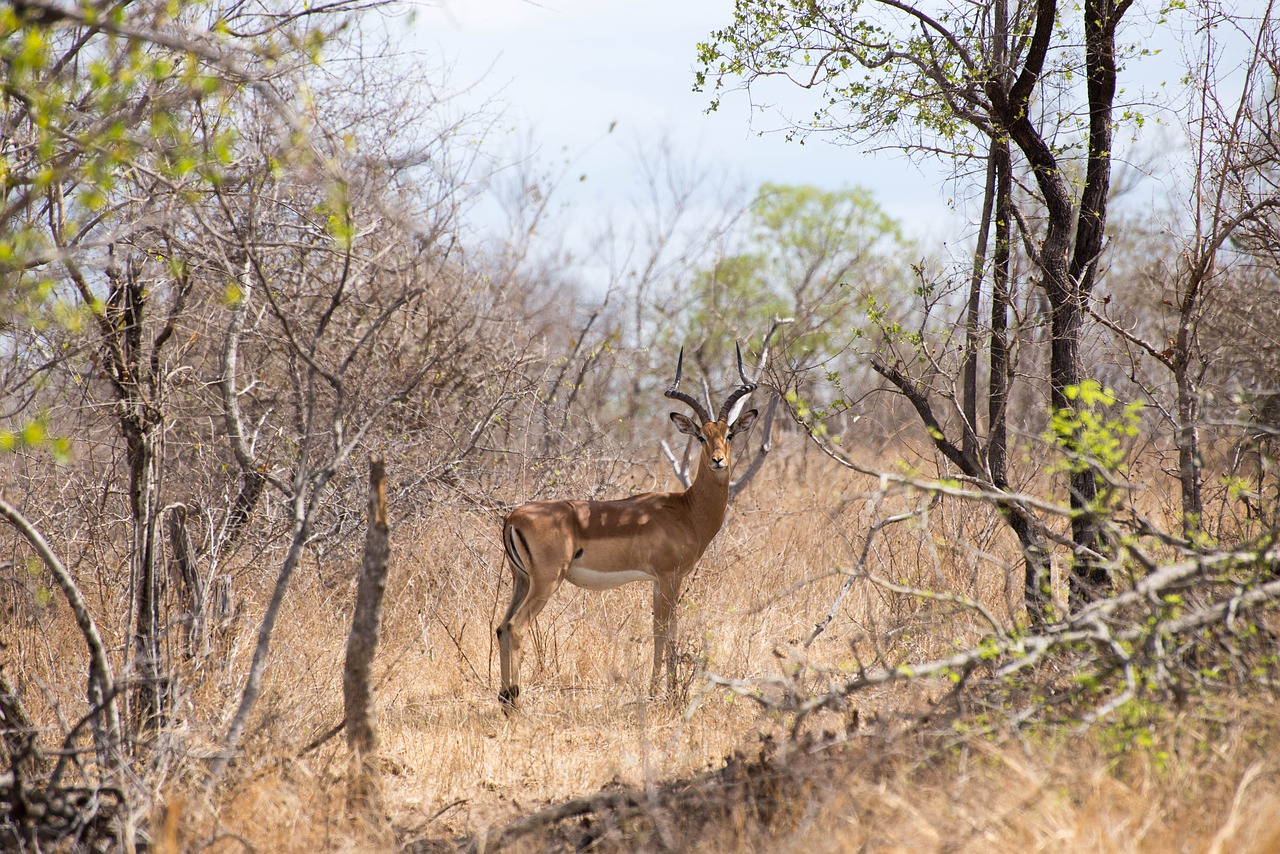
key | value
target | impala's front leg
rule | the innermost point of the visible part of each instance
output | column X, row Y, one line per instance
column 666, row 594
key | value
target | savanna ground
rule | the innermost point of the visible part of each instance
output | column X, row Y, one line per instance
column 590, row 762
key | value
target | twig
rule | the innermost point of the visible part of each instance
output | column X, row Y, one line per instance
column 857, row 571
column 1005, row 654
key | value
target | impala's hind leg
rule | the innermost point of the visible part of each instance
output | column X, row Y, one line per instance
column 530, row 594
column 508, row 647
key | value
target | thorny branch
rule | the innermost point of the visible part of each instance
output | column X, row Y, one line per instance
column 857, row 571
column 1121, row 634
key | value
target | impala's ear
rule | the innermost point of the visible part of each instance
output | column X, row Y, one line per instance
column 744, row 422
column 685, row 424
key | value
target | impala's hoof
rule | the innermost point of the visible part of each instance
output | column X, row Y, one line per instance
column 507, row 697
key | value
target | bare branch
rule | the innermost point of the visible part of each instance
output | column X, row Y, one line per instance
column 102, row 685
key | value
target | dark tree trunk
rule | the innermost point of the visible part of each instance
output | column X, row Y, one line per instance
column 151, row 689
column 1067, row 267
column 133, row 378
column 1089, row 579
column 362, row 644
column 1188, row 440
column 998, row 394
column 972, row 334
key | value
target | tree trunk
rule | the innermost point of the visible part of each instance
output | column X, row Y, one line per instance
column 1089, row 578
column 1067, row 268
column 191, row 588
column 150, row 687
column 362, row 644
column 972, row 335
column 1189, row 450
column 998, row 382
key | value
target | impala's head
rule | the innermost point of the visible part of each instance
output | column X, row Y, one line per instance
column 714, row 434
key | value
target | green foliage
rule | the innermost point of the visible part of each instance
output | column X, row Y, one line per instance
column 810, row 254
column 867, row 66
column 74, row 128
column 34, row 435
column 1134, row 729
column 891, row 331
column 915, row 72
column 1094, row 431
column 99, row 121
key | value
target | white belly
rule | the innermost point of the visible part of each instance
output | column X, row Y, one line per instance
column 594, row 579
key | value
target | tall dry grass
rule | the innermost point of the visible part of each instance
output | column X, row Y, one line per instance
column 865, row 778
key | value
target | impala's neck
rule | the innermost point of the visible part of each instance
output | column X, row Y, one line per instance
column 708, row 498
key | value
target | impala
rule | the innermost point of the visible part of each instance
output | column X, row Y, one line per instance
column 598, row 545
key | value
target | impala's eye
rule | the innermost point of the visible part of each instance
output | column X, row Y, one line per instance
column 702, row 439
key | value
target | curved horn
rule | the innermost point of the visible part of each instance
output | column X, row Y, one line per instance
column 746, row 388
column 675, row 394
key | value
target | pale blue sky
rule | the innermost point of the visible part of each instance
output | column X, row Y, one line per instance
column 569, row 69
column 565, row 71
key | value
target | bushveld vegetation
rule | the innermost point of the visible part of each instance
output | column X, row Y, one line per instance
column 999, row 570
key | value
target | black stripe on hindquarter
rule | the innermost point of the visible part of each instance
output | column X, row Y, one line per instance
column 512, row 552
column 521, row 587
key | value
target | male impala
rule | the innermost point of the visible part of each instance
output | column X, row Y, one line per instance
column 597, row 545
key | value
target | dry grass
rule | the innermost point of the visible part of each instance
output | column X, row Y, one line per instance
column 454, row 767
column 1065, row 798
